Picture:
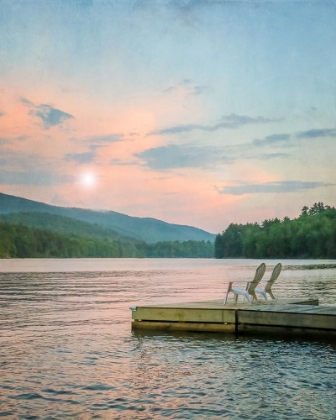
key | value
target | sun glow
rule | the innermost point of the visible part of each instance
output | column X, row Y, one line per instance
column 88, row 179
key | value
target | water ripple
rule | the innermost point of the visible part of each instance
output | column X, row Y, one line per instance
column 67, row 349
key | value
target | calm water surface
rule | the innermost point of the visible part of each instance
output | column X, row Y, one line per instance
column 67, row 348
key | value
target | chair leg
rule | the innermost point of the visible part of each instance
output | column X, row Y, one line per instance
column 263, row 294
column 271, row 294
column 246, row 296
column 226, row 297
column 228, row 291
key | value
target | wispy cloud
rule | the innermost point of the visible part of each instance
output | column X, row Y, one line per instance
column 272, row 187
column 315, row 133
column 118, row 162
column 181, row 156
column 264, row 156
column 232, row 121
column 289, row 140
column 175, row 156
column 38, row 178
column 274, row 139
column 4, row 141
column 26, row 102
column 8, row 140
column 2, row 114
column 189, row 87
column 106, row 139
column 81, row 158
column 24, row 168
column 268, row 156
column 49, row 115
column 95, row 142
column 236, row 121
column 92, row 143
column 14, row 162
column 101, row 141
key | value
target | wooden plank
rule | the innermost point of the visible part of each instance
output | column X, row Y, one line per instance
column 286, row 319
column 327, row 309
column 219, row 304
column 274, row 302
column 184, row 326
column 282, row 308
column 184, row 314
column 215, row 304
column 314, row 302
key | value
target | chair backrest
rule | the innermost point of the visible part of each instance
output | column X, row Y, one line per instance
column 275, row 274
column 260, row 271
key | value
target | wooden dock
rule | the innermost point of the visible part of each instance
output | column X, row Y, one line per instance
column 291, row 316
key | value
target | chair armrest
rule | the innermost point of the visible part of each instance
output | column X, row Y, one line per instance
column 240, row 281
column 243, row 284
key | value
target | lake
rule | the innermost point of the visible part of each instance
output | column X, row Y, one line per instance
column 67, row 348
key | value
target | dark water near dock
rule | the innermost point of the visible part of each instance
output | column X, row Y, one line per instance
column 67, row 349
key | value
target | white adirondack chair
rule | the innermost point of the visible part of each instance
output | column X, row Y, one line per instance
column 249, row 290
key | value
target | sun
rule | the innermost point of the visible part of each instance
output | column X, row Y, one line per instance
column 88, row 179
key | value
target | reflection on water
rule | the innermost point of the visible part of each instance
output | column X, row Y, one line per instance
column 67, row 349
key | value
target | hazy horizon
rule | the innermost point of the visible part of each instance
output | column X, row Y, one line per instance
column 193, row 112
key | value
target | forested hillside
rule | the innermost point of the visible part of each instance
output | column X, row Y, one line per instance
column 311, row 235
column 19, row 241
column 143, row 229
column 61, row 224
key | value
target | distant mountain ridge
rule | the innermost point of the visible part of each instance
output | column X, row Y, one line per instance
column 62, row 225
column 146, row 229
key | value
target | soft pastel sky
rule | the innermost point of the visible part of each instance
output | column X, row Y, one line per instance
column 193, row 112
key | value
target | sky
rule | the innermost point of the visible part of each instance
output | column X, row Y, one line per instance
column 195, row 112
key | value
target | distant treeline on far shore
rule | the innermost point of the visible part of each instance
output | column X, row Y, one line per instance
column 311, row 235
column 20, row 241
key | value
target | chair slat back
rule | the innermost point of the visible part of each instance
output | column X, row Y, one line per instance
column 260, row 271
column 275, row 274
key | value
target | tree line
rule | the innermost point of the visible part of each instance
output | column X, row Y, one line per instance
column 311, row 235
column 20, row 241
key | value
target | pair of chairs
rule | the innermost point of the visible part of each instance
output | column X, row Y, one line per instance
column 252, row 290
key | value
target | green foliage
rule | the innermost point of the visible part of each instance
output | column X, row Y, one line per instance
column 20, row 241
column 311, row 235
column 61, row 224
column 188, row 249
column 229, row 244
